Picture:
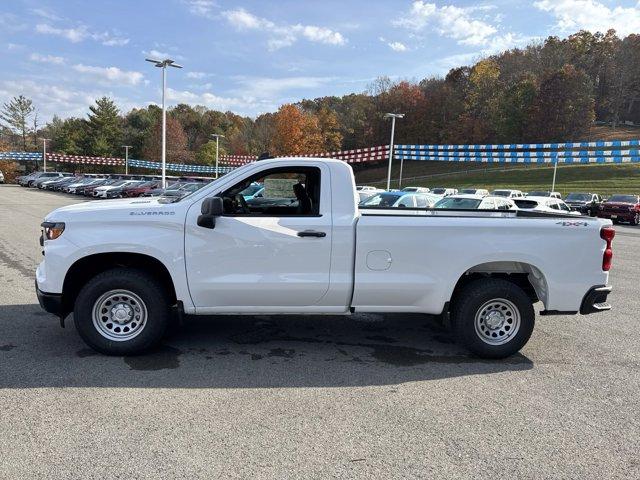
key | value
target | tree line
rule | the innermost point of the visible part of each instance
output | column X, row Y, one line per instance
column 546, row 92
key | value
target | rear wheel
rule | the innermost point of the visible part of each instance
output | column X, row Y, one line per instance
column 121, row 312
column 493, row 318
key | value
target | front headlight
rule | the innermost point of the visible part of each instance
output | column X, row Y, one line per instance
column 52, row 230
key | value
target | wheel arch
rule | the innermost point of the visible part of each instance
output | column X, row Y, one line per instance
column 88, row 267
column 523, row 274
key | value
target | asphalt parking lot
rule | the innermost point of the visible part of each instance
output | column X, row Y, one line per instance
column 368, row 396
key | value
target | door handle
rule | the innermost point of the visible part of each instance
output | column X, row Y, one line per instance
column 311, row 233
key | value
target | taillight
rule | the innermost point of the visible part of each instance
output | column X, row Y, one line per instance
column 607, row 234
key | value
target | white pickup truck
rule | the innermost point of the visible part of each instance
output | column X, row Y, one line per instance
column 124, row 267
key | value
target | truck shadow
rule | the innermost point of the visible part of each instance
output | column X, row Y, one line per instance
column 243, row 352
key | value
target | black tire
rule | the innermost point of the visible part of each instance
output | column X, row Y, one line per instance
column 148, row 290
column 475, row 298
column 615, row 221
column 636, row 219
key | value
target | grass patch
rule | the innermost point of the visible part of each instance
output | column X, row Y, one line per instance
column 604, row 179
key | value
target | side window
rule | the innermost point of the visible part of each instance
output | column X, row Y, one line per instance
column 554, row 205
column 564, row 207
column 421, row 201
column 283, row 191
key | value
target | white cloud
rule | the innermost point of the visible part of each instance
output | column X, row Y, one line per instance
column 78, row 34
column 110, row 39
column 197, row 75
column 282, row 35
column 36, row 57
column 74, row 35
column 216, row 102
column 44, row 13
column 397, row 46
column 450, row 21
column 55, row 100
column 572, row 15
column 268, row 88
column 110, row 75
column 204, row 8
column 161, row 54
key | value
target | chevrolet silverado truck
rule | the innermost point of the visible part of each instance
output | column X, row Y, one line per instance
column 125, row 267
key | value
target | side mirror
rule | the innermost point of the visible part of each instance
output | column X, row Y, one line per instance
column 211, row 208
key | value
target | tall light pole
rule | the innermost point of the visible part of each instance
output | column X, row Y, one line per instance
column 163, row 64
column 126, row 158
column 44, row 153
column 217, row 136
column 555, row 167
column 393, row 117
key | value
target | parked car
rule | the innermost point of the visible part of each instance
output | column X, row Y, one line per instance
column 585, row 203
column 475, row 191
column 507, row 193
column 88, row 189
column 621, row 208
column 114, row 189
column 140, row 189
column 37, row 183
column 209, row 253
column 544, row 204
column 475, row 202
column 364, row 188
column 41, row 176
column 157, row 192
column 401, row 199
column 363, row 195
column 416, row 189
column 544, row 193
column 184, row 190
column 59, row 184
column 72, row 187
column 254, row 190
column 78, row 188
column 444, row 192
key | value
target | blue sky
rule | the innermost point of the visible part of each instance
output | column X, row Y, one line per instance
column 251, row 56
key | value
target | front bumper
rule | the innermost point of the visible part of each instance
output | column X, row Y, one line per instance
column 50, row 302
column 595, row 300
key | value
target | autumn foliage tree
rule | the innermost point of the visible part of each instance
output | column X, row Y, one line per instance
column 177, row 151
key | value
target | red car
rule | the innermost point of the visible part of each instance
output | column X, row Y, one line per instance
column 621, row 208
column 139, row 189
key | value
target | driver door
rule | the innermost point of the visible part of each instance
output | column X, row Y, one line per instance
column 268, row 254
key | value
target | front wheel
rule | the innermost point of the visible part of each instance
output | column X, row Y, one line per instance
column 121, row 312
column 493, row 318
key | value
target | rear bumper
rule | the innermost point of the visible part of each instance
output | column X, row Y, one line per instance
column 50, row 302
column 595, row 300
column 624, row 216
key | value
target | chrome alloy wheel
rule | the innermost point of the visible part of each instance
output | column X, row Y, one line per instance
column 497, row 321
column 119, row 315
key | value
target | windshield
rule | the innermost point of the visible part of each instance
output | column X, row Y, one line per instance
column 623, row 198
column 538, row 193
column 578, row 197
column 526, row 204
column 458, row 203
column 501, row 193
column 386, row 199
column 439, row 191
column 251, row 190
